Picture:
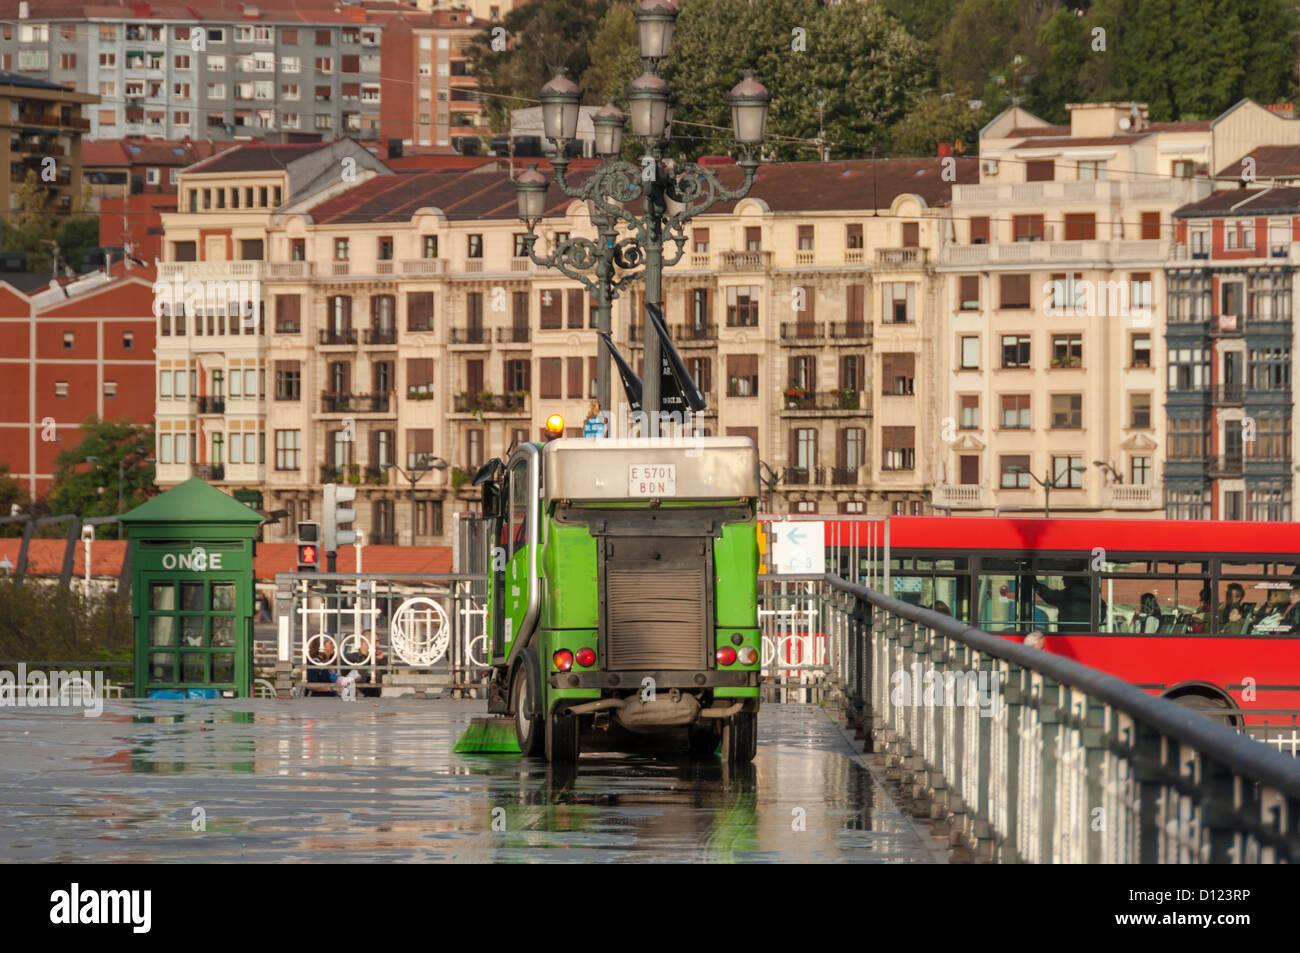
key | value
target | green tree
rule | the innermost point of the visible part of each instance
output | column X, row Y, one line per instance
column 11, row 493
column 33, row 228
column 936, row 118
column 542, row 36
column 91, row 489
column 849, row 68
column 78, row 236
column 614, row 55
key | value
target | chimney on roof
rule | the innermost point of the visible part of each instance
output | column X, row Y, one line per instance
column 394, row 147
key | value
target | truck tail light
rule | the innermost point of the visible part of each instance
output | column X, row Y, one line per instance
column 563, row 660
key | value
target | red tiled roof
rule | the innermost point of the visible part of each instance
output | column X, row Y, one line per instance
column 253, row 157
column 1026, row 132
column 45, row 558
column 1256, row 202
column 784, row 186
column 1270, row 162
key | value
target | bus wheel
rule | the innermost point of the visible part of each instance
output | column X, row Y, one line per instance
column 561, row 738
column 1213, row 708
column 740, row 738
column 528, row 731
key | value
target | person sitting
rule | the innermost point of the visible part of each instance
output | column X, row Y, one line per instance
column 1232, row 596
column 1198, row 620
column 1236, row 623
column 1267, row 619
column 321, row 681
column 360, row 660
column 1147, row 619
column 1291, row 617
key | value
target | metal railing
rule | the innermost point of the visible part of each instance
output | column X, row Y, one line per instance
column 1027, row 756
column 413, row 632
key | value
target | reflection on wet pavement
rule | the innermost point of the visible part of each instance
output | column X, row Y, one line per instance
column 322, row 780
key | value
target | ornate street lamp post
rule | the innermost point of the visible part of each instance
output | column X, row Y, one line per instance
column 672, row 194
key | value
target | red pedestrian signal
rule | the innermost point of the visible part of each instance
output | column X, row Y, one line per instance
column 308, row 558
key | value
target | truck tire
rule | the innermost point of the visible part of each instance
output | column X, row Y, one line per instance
column 561, row 738
column 740, row 738
column 528, row 730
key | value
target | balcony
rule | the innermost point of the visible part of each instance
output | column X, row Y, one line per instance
column 898, row 259
column 1040, row 194
column 845, row 476
column 333, row 474
column 335, row 403
column 514, row 335
column 212, row 405
column 803, row 476
column 1225, row 326
column 210, row 471
column 822, row 402
column 290, row 269
column 212, row 270
column 960, row 494
column 1229, row 394
column 376, row 476
column 796, row 333
column 484, row 403
column 1126, row 496
column 848, row 332
column 690, row 335
column 745, row 261
column 419, row 267
column 1226, row 465
column 338, row 338
column 381, row 336
column 1092, row 254
column 473, row 336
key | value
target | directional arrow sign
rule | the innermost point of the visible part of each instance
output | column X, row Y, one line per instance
column 799, row 546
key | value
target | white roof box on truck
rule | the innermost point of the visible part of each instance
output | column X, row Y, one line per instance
column 646, row 468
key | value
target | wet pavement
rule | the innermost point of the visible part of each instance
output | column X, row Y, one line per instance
column 259, row 780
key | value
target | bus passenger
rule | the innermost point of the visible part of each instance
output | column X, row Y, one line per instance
column 1269, row 617
column 1147, row 620
column 1291, row 618
column 1197, row 621
column 942, row 607
column 1232, row 597
column 1236, row 623
column 1072, row 603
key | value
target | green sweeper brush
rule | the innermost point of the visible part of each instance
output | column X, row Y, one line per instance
column 488, row 736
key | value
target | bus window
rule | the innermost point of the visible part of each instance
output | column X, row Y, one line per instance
column 949, row 595
column 1150, row 606
column 1006, row 604
column 1259, row 607
column 1066, row 600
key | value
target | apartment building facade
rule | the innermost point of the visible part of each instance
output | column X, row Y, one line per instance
column 42, row 126
column 69, row 351
column 305, row 71
column 1230, row 340
column 1056, row 282
column 406, row 327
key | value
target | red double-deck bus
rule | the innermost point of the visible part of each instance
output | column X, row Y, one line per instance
column 1207, row 613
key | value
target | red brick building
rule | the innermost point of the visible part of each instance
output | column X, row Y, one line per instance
column 68, row 351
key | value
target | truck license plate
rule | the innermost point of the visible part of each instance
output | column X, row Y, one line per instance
column 652, row 479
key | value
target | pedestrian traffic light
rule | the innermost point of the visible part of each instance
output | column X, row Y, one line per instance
column 308, row 547
column 337, row 515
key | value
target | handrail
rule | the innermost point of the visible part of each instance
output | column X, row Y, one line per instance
column 1219, row 742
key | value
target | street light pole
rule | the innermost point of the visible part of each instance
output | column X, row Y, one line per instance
column 671, row 195
column 413, row 477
